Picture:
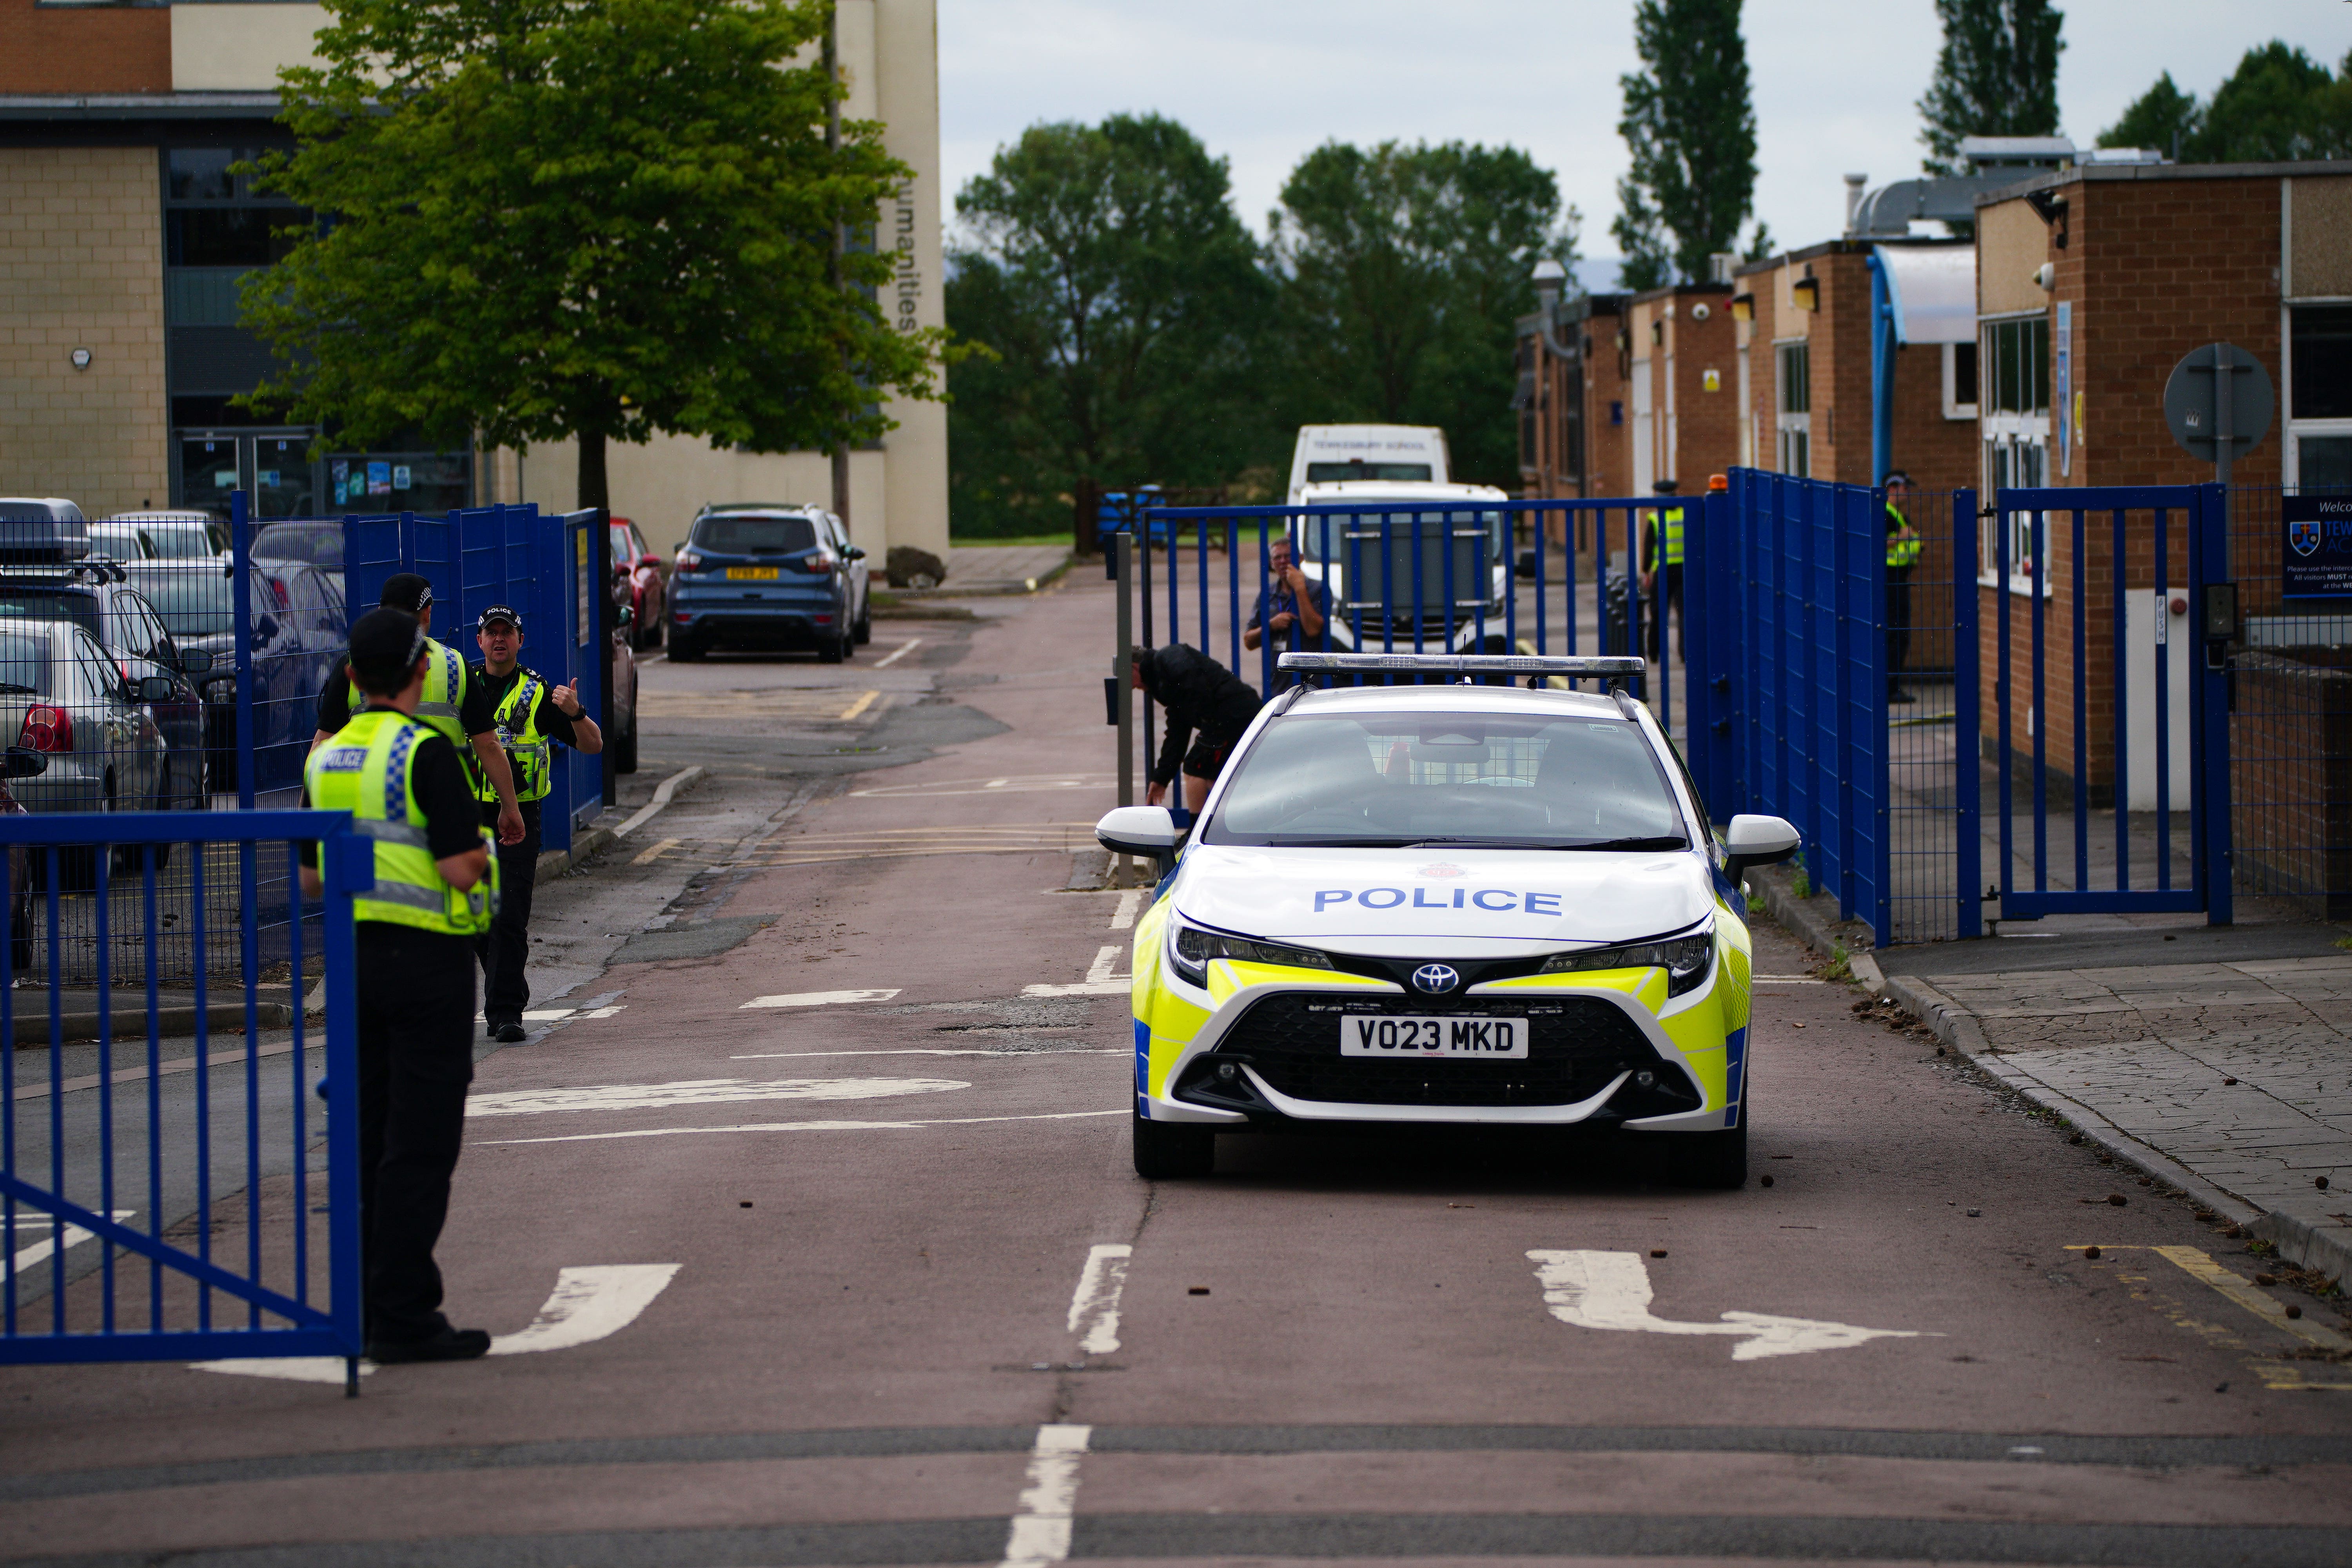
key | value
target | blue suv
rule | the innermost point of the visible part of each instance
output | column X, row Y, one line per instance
column 760, row 576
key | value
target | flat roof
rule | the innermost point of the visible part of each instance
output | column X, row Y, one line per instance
column 2103, row 174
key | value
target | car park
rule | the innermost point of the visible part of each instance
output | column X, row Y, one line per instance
column 647, row 592
column 176, row 534
column 65, row 697
column 298, row 626
column 1447, row 904
column 759, row 576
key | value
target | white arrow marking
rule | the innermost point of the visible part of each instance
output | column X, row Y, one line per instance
column 1612, row 1290
column 821, row 998
column 698, row 1091
column 811, row 1127
column 586, row 1305
column 1094, row 1306
column 1041, row 1530
column 1099, row 980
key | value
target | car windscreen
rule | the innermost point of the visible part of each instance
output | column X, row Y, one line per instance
column 1346, row 537
column 1339, row 473
column 23, row 663
column 182, row 541
column 321, row 545
column 1387, row 780
column 193, row 602
column 21, row 602
column 750, row 534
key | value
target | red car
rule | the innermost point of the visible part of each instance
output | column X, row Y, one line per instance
column 637, row 566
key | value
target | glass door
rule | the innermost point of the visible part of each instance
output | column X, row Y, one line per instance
column 273, row 467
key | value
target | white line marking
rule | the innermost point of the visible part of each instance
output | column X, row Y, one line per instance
column 1612, row 1290
column 1041, row 1530
column 996, row 783
column 1099, row 980
column 819, row 998
column 813, row 1127
column 698, row 1091
column 586, row 1305
column 648, row 856
column 1786, row 980
column 663, row 796
column 605, row 1012
column 1131, row 903
column 940, row 1051
column 860, row 706
column 42, row 1251
column 1094, row 1306
column 910, row 645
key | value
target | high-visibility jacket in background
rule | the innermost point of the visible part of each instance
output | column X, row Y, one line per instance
column 364, row 771
column 1900, row 551
column 437, row 704
column 525, row 744
column 1668, row 522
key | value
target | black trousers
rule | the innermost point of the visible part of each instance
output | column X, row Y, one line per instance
column 1672, row 603
column 505, row 948
column 1898, row 622
column 416, row 1056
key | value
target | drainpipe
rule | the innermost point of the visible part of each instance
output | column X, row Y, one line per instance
column 1882, row 369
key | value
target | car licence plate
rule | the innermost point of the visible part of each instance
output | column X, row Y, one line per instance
column 1458, row 1036
column 750, row 574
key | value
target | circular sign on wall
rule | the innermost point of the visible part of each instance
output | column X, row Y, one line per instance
column 2191, row 403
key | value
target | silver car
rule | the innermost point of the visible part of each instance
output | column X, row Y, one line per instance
column 61, row 696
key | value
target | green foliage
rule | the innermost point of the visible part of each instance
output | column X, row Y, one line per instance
column 1126, row 309
column 1997, row 75
column 2163, row 117
column 595, row 218
column 1760, row 247
column 1691, row 128
column 2278, row 106
column 1402, row 269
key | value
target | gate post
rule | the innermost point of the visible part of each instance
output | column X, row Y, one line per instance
column 347, row 867
column 2209, row 568
column 1968, row 744
column 240, row 535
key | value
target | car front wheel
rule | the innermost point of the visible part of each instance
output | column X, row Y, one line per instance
column 1173, row 1151
column 1711, row 1161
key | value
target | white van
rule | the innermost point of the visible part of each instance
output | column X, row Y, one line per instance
column 1391, row 561
column 1333, row 454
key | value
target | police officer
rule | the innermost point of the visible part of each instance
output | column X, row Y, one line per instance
column 528, row 715
column 436, row 884
column 1902, row 555
column 451, row 704
column 1667, row 521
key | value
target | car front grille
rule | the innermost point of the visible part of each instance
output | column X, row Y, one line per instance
column 1577, row 1046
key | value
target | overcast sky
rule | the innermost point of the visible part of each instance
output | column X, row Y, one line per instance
column 1262, row 82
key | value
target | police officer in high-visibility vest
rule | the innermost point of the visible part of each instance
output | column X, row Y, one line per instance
column 436, row 886
column 530, row 716
column 1902, row 555
column 1662, row 551
column 451, row 703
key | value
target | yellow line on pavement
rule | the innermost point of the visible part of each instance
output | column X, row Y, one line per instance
column 657, row 852
column 2200, row 1267
column 860, row 706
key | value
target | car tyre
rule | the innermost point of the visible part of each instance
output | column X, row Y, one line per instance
column 685, row 652
column 1715, row 1161
column 829, row 650
column 624, row 749
column 1173, row 1151
column 865, row 630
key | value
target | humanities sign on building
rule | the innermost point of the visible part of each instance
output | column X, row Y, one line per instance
column 2318, row 555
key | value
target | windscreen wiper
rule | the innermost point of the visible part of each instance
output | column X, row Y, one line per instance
column 1660, row 841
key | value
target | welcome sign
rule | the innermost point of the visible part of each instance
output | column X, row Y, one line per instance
column 2318, row 557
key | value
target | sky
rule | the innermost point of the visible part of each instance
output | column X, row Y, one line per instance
column 1262, row 82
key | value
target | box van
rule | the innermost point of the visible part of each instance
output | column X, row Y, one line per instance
column 1334, row 454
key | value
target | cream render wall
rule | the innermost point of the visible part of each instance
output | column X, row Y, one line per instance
column 226, row 47
column 82, row 265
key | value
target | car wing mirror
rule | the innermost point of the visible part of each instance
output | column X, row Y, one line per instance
column 854, row 554
column 22, row 763
column 154, row 688
column 265, row 628
column 1149, row 831
column 627, row 615
column 1757, row 841
column 196, row 661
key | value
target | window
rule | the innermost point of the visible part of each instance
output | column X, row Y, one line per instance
column 1959, row 381
column 752, row 533
column 2319, row 395
column 2013, row 422
column 2019, row 356
column 1795, row 422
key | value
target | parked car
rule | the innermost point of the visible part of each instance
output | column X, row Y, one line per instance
column 67, row 698
column 96, row 597
column 35, row 528
column 19, row 762
column 176, row 534
column 622, row 671
column 297, row 628
column 318, row 540
column 635, row 562
column 752, row 575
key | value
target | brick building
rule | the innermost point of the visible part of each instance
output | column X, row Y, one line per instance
column 1573, row 370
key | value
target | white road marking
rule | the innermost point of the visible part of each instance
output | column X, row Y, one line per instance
column 1099, row 980
column 1014, row 784
column 860, row 706
column 663, row 794
column 820, row 998
column 1041, row 1530
column 648, row 856
column 1787, row 980
column 698, row 1091
column 1612, row 1290
column 814, row 1127
column 1094, row 1306
column 586, row 1305
column 1131, row 903
column 996, row 783
column 941, row 1051
column 910, row 645
column 42, row 1251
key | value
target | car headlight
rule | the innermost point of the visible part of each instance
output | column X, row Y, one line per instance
column 1685, row 959
column 1190, row 948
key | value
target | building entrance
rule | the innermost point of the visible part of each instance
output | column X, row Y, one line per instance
column 273, row 466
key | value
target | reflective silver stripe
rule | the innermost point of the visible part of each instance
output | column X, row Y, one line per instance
column 415, row 898
column 390, row 832
column 436, row 711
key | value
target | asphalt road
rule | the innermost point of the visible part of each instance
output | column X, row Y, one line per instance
column 860, row 1274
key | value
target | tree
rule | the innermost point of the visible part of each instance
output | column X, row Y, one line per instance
column 1402, row 271
column 2163, row 117
column 600, row 219
column 1692, row 131
column 1122, row 296
column 2279, row 105
column 1997, row 75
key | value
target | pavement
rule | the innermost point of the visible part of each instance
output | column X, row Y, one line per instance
column 809, row 1235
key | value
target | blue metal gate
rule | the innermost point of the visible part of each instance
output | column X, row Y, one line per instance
column 2104, row 575
column 119, row 1167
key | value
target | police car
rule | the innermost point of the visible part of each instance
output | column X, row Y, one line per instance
column 1447, row 903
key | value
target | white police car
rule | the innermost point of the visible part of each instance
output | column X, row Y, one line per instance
column 1447, row 903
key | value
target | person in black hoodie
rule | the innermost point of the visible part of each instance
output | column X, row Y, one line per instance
column 1198, row 695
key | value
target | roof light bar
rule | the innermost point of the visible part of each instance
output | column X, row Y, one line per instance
column 1462, row 664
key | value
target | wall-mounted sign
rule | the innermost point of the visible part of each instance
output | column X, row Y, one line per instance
column 1710, row 381
column 379, row 480
column 400, row 475
column 2316, row 562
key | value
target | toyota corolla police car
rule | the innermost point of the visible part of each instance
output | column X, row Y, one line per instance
column 1452, row 904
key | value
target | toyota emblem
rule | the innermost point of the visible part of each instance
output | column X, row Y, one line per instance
column 1436, row 979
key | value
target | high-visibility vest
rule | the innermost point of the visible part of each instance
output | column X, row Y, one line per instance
column 437, row 705
column 364, row 771
column 525, row 744
column 1674, row 531
column 1900, row 551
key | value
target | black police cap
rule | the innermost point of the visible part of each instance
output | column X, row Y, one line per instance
column 385, row 643
column 498, row 613
column 406, row 591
